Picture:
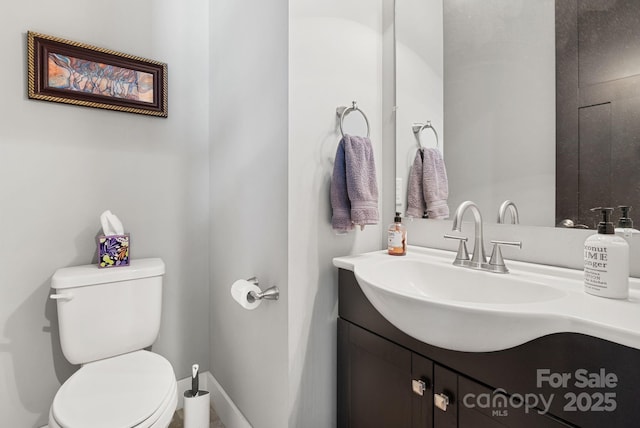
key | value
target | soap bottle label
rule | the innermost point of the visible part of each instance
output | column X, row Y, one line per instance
column 606, row 269
column 395, row 239
column 595, row 264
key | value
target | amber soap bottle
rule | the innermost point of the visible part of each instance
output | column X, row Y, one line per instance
column 397, row 237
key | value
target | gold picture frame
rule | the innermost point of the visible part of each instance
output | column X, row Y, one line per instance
column 64, row 71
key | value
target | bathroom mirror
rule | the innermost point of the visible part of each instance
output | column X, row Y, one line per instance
column 484, row 73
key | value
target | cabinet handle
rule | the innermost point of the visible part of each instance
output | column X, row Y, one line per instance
column 441, row 401
column 419, row 386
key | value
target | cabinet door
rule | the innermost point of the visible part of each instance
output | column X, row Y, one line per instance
column 445, row 389
column 482, row 407
column 422, row 386
column 374, row 380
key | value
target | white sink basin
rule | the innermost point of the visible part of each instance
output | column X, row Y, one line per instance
column 452, row 307
column 441, row 282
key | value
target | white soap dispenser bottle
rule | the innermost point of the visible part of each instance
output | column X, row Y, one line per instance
column 606, row 261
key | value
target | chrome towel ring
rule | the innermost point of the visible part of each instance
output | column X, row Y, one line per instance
column 343, row 111
column 419, row 127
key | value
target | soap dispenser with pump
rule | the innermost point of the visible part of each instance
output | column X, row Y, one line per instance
column 397, row 237
column 625, row 224
column 606, row 261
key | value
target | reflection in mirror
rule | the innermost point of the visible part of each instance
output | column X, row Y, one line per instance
column 498, row 119
column 498, row 99
column 598, row 104
column 499, row 105
column 419, row 85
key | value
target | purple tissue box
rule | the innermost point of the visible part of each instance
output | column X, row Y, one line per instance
column 113, row 251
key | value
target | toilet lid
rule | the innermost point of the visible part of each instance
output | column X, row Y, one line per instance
column 119, row 392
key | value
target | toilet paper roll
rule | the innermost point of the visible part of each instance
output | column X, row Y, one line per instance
column 240, row 289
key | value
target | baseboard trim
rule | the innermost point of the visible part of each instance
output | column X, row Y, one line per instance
column 226, row 409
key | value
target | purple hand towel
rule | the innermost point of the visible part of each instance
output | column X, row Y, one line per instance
column 428, row 186
column 416, row 206
column 340, row 204
column 435, row 184
column 362, row 184
column 354, row 187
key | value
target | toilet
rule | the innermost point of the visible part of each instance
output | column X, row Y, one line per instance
column 106, row 319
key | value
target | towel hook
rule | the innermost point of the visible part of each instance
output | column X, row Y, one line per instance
column 419, row 127
column 343, row 111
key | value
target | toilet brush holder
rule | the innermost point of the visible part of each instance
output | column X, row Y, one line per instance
column 196, row 409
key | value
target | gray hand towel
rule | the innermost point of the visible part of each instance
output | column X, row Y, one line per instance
column 416, row 206
column 354, row 187
column 340, row 204
column 362, row 184
column 435, row 184
column 428, row 186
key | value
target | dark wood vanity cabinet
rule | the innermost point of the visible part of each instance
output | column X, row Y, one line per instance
column 384, row 385
column 387, row 379
column 377, row 372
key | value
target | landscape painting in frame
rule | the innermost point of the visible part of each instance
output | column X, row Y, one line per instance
column 69, row 72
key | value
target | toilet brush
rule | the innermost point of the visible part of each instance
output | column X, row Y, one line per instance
column 194, row 380
column 196, row 403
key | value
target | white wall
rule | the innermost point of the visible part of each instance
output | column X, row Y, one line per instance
column 333, row 52
column 61, row 166
column 499, row 106
column 335, row 57
column 249, row 105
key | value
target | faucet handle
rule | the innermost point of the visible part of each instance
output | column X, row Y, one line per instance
column 462, row 256
column 511, row 243
column 496, row 263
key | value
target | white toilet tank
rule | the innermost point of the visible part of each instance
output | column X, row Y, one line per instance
column 110, row 311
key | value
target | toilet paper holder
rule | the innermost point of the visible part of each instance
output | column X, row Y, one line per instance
column 271, row 293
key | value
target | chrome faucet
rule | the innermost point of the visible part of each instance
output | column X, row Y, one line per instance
column 502, row 212
column 479, row 258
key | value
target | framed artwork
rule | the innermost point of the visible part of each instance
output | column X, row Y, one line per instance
column 69, row 72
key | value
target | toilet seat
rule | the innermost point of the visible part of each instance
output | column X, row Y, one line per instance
column 164, row 415
column 132, row 390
